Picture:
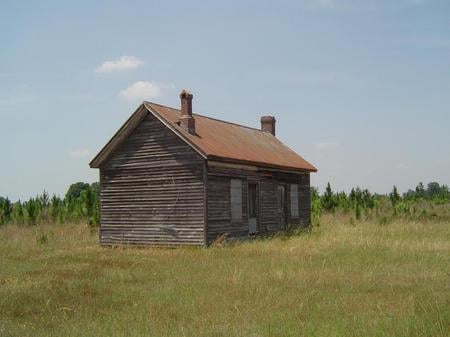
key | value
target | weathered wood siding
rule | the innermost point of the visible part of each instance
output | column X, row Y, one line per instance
column 304, row 199
column 219, row 208
column 219, row 204
column 152, row 190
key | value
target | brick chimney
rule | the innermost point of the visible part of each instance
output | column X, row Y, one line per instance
column 186, row 119
column 268, row 124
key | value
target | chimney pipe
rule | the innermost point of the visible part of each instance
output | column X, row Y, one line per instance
column 186, row 119
column 268, row 124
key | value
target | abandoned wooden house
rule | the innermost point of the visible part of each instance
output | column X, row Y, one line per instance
column 170, row 177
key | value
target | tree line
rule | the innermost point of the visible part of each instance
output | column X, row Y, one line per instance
column 80, row 204
column 361, row 202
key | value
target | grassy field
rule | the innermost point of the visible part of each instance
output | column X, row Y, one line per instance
column 363, row 279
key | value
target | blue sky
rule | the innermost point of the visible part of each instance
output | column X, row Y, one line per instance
column 359, row 88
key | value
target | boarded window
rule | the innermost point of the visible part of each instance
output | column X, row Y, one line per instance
column 236, row 199
column 294, row 200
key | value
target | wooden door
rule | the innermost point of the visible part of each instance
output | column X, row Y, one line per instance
column 253, row 208
column 281, row 198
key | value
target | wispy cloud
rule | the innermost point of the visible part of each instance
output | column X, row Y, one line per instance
column 326, row 145
column 401, row 166
column 10, row 102
column 326, row 4
column 440, row 43
column 80, row 153
column 426, row 41
column 323, row 77
column 334, row 4
column 361, row 4
column 416, row 2
column 142, row 90
column 123, row 63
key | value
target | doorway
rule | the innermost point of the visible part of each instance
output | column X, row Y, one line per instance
column 253, row 207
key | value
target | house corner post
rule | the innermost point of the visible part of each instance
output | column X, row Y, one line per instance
column 205, row 203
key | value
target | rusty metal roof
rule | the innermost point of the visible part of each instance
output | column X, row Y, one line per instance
column 226, row 141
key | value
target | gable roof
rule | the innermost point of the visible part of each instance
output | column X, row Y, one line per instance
column 215, row 140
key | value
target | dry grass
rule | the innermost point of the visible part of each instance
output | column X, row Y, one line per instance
column 339, row 280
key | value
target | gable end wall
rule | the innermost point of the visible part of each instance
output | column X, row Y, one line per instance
column 152, row 190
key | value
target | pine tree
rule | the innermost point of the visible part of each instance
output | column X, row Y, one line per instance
column 357, row 211
column 420, row 190
column 328, row 199
column 5, row 210
column 394, row 196
column 17, row 215
column 32, row 210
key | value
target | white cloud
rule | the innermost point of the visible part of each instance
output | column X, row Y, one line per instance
column 141, row 90
column 326, row 145
column 80, row 153
column 124, row 63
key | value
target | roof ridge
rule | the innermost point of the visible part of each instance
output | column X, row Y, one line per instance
column 228, row 122
column 164, row 106
column 215, row 119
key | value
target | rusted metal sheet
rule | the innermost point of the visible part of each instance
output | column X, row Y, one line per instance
column 227, row 141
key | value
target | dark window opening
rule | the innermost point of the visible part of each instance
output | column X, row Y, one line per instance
column 252, row 201
column 281, row 199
